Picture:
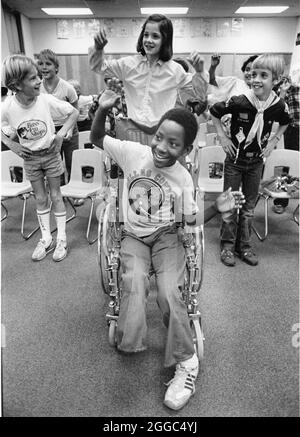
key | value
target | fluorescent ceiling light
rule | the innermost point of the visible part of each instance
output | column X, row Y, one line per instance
column 166, row 10
column 67, row 11
column 261, row 9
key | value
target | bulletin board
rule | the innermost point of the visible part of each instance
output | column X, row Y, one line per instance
column 125, row 28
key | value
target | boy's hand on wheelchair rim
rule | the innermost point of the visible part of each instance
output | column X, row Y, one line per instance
column 230, row 200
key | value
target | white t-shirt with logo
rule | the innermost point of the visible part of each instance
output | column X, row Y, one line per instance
column 152, row 197
column 33, row 124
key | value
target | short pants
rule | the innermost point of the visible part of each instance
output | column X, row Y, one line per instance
column 43, row 164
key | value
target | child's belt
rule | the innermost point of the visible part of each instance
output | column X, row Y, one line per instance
column 41, row 152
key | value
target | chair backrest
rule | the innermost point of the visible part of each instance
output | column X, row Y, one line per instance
column 84, row 138
column 10, row 159
column 282, row 158
column 87, row 158
column 208, row 155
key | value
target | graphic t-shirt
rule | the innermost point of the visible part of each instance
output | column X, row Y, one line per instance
column 33, row 124
column 152, row 197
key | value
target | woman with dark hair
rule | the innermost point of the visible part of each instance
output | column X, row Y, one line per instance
column 151, row 78
column 246, row 68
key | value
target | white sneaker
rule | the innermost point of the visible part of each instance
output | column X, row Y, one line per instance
column 42, row 249
column 181, row 387
column 61, row 250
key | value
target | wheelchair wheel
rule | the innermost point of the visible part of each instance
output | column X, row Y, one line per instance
column 102, row 251
column 112, row 332
column 198, row 338
column 199, row 255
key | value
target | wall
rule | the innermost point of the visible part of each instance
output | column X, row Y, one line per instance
column 258, row 35
column 27, row 36
column 4, row 40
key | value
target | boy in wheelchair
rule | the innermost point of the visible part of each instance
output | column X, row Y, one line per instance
column 155, row 182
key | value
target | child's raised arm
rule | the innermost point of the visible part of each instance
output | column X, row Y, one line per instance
column 215, row 61
column 107, row 100
column 95, row 53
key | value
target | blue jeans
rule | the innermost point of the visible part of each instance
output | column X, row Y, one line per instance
column 164, row 251
column 236, row 232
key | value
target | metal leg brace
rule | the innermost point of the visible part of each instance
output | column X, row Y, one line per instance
column 92, row 199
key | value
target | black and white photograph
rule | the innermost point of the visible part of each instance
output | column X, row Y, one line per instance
column 150, row 211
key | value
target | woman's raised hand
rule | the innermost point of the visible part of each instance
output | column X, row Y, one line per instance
column 100, row 39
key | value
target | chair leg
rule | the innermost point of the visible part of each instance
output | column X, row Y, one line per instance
column 74, row 211
column 264, row 236
column 26, row 236
column 90, row 241
column 5, row 213
column 295, row 215
column 202, row 254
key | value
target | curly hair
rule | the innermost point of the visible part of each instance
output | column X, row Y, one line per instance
column 248, row 61
column 186, row 119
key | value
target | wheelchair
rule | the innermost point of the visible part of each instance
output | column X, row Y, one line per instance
column 110, row 230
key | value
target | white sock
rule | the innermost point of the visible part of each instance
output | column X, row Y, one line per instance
column 60, row 218
column 44, row 222
column 192, row 362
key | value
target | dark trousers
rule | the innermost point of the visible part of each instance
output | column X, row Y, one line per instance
column 67, row 148
column 236, row 230
column 291, row 142
column 84, row 125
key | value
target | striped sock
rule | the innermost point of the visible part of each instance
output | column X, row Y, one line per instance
column 44, row 222
column 60, row 218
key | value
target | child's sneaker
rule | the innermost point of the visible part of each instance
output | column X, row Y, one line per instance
column 182, row 386
column 249, row 257
column 42, row 249
column 61, row 250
